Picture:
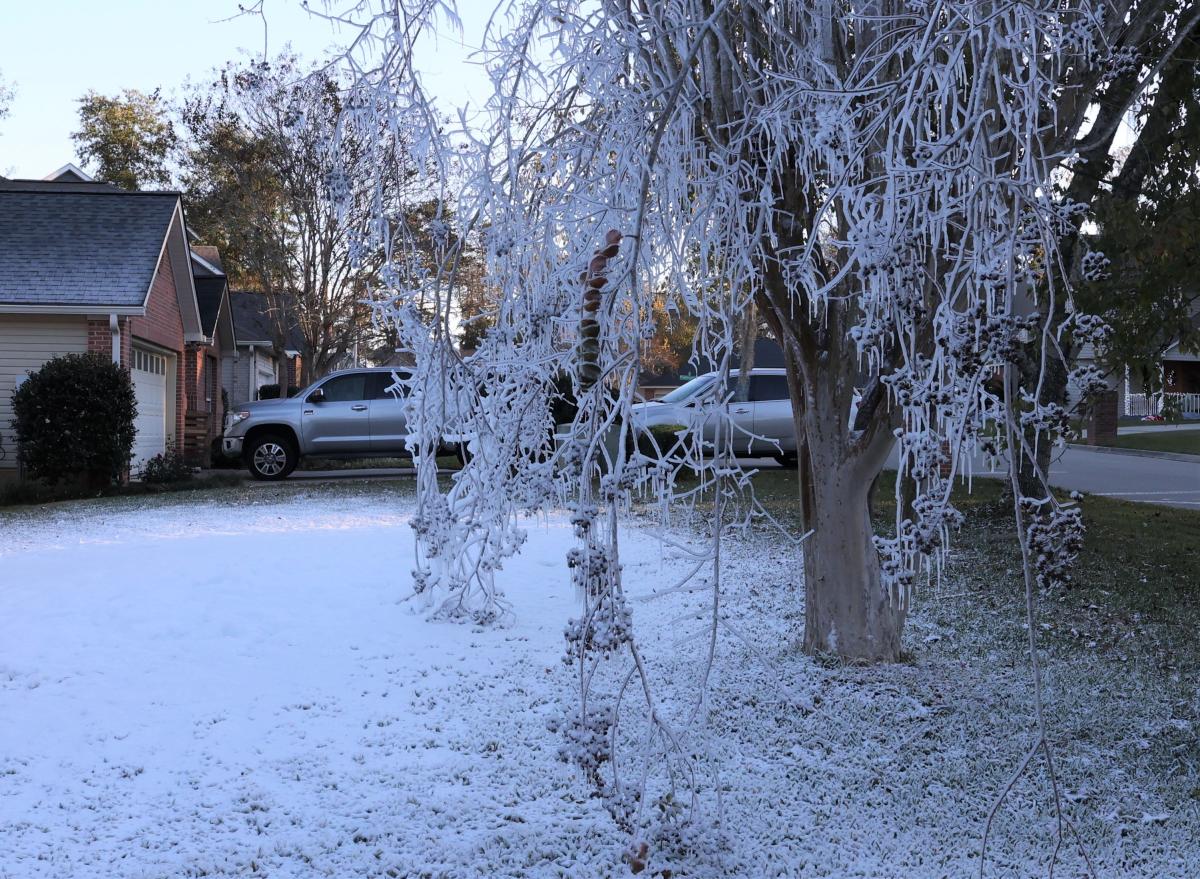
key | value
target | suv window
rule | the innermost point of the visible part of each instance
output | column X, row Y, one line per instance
column 378, row 384
column 345, row 388
column 768, row 387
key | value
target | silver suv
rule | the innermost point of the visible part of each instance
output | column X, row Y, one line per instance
column 353, row 413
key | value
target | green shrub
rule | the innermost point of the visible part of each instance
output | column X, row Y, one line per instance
column 1171, row 410
column 74, row 419
column 271, row 392
column 166, row 467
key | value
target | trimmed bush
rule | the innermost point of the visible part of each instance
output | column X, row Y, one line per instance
column 74, row 419
column 271, row 392
column 166, row 467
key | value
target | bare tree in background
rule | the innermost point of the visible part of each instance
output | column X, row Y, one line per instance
column 7, row 93
column 289, row 204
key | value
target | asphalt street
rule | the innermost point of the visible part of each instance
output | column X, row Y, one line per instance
column 1144, row 478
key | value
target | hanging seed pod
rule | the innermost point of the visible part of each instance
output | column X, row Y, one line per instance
column 594, row 280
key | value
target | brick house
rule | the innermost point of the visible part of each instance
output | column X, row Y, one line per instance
column 203, row 359
column 87, row 267
column 257, row 360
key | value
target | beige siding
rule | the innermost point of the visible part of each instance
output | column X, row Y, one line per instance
column 242, row 375
column 26, row 342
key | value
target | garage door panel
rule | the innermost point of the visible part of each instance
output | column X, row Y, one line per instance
column 149, row 373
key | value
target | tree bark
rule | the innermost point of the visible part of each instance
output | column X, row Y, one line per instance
column 1053, row 389
column 847, row 611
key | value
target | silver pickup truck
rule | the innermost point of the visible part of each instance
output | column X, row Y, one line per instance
column 760, row 419
column 347, row 414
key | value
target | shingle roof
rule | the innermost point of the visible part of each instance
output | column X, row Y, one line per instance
column 209, row 254
column 208, row 298
column 79, row 243
column 252, row 321
column 62, row 185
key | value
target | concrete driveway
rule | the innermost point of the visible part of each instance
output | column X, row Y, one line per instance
column 1145, row 477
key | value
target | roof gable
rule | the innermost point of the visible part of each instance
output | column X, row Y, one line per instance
column 69, row 173
column 83, row 244
column 209, row 293
column 254, row 323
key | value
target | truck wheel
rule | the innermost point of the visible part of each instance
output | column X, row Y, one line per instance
column 270, row 457
column 788, row 460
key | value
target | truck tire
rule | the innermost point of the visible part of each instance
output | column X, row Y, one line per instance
column 270, row 457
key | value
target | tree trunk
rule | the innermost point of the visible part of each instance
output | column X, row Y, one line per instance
column 1053, row 386
column 847, row 610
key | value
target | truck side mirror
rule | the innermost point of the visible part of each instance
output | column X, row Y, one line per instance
column 317, row 396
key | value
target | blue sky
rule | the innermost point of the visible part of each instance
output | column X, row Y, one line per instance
column 56, row 50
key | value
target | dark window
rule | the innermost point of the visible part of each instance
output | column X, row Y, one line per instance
column 768, row 387
column 378, row 384
column 345, row 388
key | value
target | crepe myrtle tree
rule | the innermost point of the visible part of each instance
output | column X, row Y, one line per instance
column 881, row 182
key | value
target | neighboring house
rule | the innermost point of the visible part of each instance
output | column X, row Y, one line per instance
column 255, row 361
column 84, row 267
column 1180, row 380
column 206, row 412
column 1181, row 370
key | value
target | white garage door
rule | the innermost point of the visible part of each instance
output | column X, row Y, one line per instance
column 150, row 386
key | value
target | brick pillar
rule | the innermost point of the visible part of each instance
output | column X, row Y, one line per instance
column 1102, row 426
column 944, row 466
column 99, row 338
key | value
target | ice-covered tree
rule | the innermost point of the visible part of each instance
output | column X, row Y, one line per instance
column 887, row 184
column 877, row 178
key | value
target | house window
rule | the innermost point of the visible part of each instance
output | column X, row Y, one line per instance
column 147, row 362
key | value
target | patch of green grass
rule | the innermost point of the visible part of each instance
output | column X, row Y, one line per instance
column 1183, row 441
column 1135, row 587
column 32, row 493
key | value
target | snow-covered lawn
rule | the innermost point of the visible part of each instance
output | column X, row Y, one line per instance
column 231, row 688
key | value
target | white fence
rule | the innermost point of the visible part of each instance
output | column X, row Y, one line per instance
column 1152, row 404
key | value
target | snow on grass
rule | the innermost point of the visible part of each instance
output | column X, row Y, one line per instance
column 233, row 689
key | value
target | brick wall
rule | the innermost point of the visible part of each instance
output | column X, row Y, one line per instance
column 99, row 338
column 163, row 326
column 201, row 423
column 1102, row 426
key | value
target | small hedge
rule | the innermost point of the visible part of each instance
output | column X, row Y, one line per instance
column 166, row 467
column 74, row 419
column 271, row 392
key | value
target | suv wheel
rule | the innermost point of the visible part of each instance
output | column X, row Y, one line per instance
column 270, row 457
column 462, row 453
